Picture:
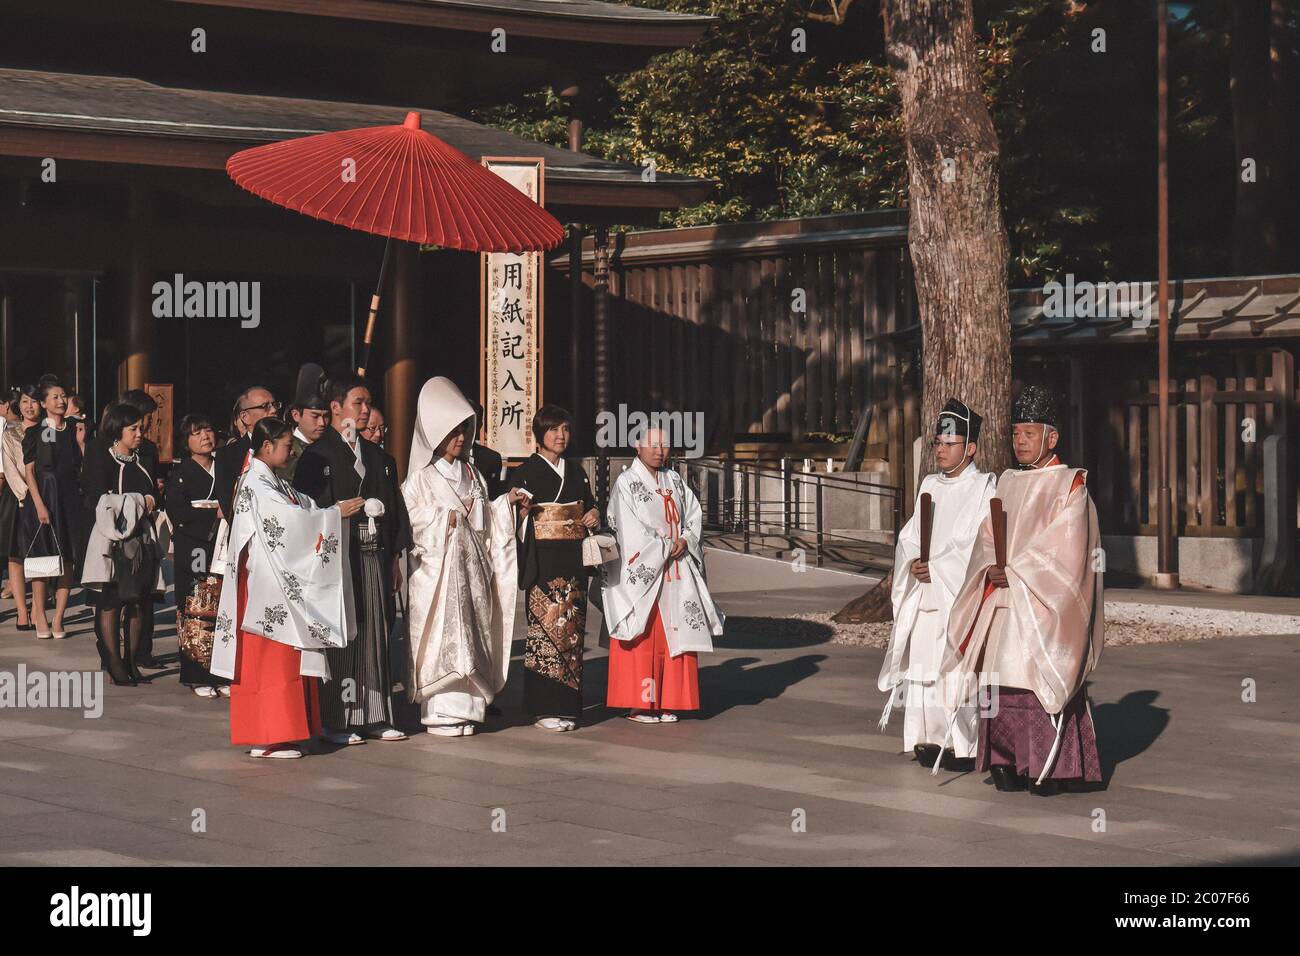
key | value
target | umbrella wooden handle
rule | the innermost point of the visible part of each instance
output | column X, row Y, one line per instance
column 998, row 518
column 370, row 320
column 369, row 337
column 927, row 525
column 374, row 308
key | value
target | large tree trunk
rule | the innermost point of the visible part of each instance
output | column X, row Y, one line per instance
column 956, row 236
column 1255, row 119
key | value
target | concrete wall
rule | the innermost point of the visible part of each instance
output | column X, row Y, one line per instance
column 1227, row 564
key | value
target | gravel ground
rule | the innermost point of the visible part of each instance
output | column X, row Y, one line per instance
column 1125, row 624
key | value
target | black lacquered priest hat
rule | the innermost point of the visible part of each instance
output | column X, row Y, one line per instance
column 959, row 419
column 310, row 390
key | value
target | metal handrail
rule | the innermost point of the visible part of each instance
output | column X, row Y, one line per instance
column 741, row 510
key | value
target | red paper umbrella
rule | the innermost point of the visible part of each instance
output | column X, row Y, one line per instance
column 400, row 182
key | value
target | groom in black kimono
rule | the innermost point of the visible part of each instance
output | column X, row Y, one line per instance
column 357, row 701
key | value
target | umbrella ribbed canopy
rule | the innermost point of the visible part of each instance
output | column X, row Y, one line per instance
column 408, row 185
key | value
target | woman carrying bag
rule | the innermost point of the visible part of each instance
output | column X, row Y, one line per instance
column 123, row 570
column 55, row 521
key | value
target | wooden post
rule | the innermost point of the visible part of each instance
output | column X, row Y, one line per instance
column 1079, row 452
column 569, row 89
column 1166, row 576
column 1209, row 453
column 575, row 323
column 400, row 387
column 137, row 320
column 6, row 336
column 601, row 356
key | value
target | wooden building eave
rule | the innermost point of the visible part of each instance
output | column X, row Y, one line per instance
column 578, row 21
column 126, row 121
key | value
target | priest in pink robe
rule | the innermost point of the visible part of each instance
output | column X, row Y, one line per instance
column 1027, row 634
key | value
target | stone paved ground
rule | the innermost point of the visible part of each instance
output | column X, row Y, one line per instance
column 1194, row 774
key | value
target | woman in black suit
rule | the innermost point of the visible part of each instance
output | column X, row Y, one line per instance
column 114, row 467
column 191, row 508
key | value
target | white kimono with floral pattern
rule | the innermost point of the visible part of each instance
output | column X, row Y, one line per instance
column 299, row 584
column 647, row 510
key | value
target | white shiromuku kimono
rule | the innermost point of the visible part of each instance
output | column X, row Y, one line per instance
column 299, row 587
column 647, row 510
column 917, row 644
column 464, row 579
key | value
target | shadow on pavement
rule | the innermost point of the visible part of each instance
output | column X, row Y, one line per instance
column 764, row 633
column 1127, row 728
column 734, row 683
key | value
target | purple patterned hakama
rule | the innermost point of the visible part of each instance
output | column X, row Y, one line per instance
column 1021, row 734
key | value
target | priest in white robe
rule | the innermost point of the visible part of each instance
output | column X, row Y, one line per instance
column 657, row 606
column 285, row 598
column 923, row 592
column 464, row 576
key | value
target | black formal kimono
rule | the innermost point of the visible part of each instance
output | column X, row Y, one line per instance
column 194, row 538
column 554, row 579
column 327, row 472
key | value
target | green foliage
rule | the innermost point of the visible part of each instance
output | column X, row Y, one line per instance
column 801, row 134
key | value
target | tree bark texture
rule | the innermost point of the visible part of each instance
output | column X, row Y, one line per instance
column 956, row 235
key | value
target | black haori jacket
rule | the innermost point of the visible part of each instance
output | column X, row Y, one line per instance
column 327, row 472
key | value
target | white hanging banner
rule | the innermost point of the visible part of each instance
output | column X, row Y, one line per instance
column 510, row 327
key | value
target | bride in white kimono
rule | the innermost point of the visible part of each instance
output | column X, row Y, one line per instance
column 464, row 579
column 286, row 597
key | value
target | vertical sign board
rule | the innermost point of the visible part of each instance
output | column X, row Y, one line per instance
column 163, row 426
column 510, row 327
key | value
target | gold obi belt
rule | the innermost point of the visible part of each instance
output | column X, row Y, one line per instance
column 558, row 522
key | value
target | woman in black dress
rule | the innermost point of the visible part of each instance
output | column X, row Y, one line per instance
column 191, row 508
column 14, row 498
column 552, row 525
column 114, row 467
column 55, row 521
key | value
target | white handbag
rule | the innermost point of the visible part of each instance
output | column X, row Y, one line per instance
column 44, row 566
column 598, row 549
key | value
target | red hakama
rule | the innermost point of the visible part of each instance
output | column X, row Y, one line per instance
column 639, row 668
column 270, row 702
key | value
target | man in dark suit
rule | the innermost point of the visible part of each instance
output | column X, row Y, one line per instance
column 487, row 460
column 253, row 404
column 340, row 465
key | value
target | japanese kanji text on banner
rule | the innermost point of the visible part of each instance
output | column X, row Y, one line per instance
column 511, row 327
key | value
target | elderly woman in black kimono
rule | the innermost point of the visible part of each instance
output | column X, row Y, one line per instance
column 191, row 506
column 558, row 514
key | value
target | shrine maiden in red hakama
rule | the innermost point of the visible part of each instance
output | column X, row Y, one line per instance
column 285, row 598
column 657, row 605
